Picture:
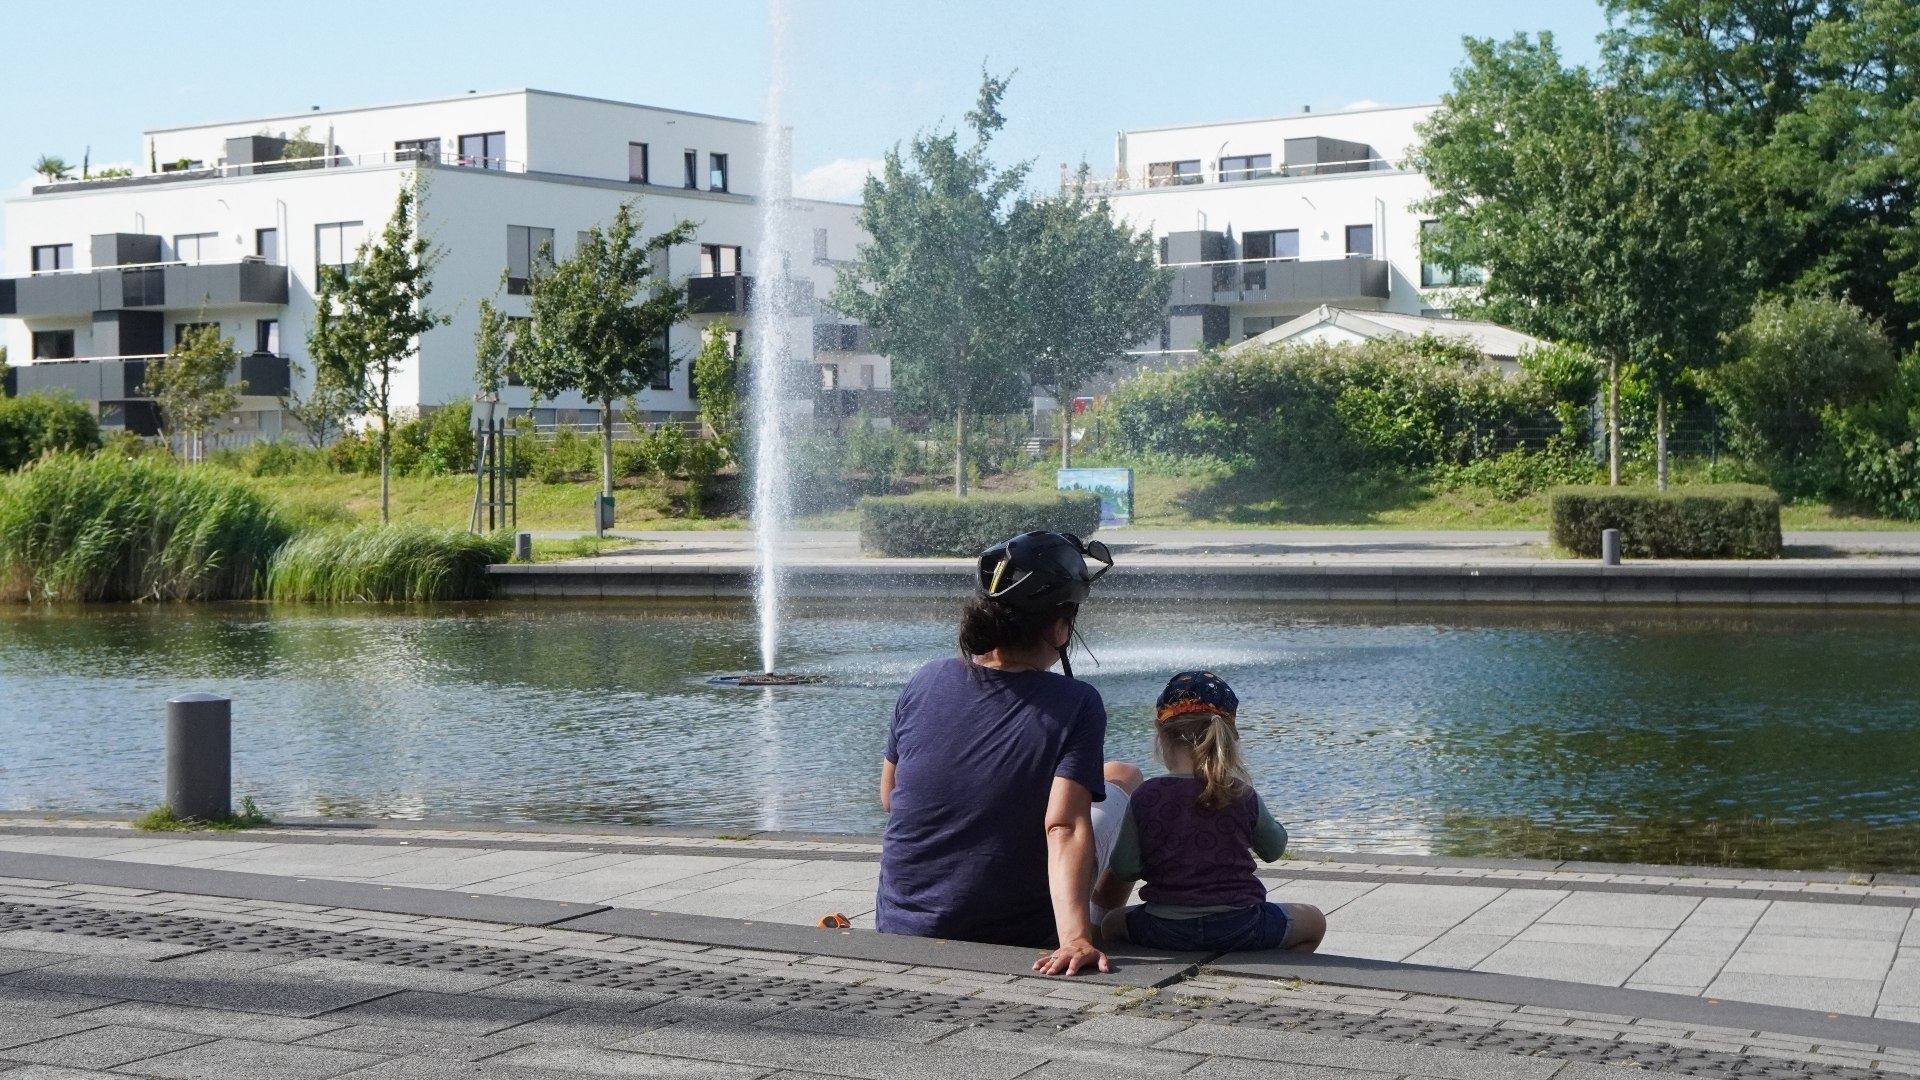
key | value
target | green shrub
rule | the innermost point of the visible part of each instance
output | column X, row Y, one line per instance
column 385, row 563
column 448, row 446
column 564, row 456
column 275, row 458
column 35, row 424
column 1519, row 473
column 1723, row 521
column 1794, row 360
column 112, row 528
column 928, row 524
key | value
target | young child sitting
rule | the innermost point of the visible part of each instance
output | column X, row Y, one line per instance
column 1191, row 837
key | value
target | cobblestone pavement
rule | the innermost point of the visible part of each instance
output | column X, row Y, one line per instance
column 1815, row 941
column 98, row 982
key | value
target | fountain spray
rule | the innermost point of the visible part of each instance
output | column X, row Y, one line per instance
column 771, row 345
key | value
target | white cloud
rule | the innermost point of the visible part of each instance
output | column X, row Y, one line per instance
column 837, row 180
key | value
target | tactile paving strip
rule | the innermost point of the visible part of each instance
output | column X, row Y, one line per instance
column 769, row 989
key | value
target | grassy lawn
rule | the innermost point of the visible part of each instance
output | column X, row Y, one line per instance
column 448, row 500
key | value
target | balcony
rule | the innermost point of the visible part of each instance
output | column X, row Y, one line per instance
column 1314, row 281
column 197, row 171
column 735, row 294
column 123, row 378
column 153, row 286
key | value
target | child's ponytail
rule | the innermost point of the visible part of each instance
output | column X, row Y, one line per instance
column 1214, row 744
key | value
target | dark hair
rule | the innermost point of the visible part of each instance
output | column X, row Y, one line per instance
column 987, row 624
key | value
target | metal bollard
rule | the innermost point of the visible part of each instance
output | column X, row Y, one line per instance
column 200, row 757
column 1609, row 547
column 523, row 546
column 602, row 514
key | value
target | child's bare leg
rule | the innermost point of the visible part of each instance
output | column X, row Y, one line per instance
column 1127, row 778
column 1114, row 926
column 1111, row 892
column 1306, row 927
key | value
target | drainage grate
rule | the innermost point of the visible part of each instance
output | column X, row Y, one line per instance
column 770, row 989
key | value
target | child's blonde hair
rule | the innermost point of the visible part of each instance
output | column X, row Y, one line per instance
column 1213, row 742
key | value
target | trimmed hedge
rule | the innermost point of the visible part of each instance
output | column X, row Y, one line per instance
column 918, row 526
column 1721, row 521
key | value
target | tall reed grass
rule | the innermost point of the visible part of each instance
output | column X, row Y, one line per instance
column 112, row 528
column 385, row 562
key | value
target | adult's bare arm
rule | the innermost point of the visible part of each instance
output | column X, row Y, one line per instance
column 1070, row 864
column 886, row 785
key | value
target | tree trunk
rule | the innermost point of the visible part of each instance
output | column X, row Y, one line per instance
column 1660, row 437
column 960, row 451
column 386, row 449
column 1066, row 427
column 606, row 448
column 1613, row 422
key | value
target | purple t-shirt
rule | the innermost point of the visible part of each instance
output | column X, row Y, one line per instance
column 975, row 752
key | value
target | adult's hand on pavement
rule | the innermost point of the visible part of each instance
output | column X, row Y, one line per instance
column 1071, row 958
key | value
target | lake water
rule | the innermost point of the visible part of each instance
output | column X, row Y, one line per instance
column 1739, row 737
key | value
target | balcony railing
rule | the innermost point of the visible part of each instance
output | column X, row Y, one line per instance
column 1255, row 280
column 251, row 280
column 268, row 168
column 123, row 378
column 1107, row 185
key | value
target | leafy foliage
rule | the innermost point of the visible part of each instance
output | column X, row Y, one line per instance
column 929, row 524
column 113, row 528
column 717, row 373
column 1727, row 521
column 380, row 563
column 36, row 424
column 190, row 386
column 1793, row 362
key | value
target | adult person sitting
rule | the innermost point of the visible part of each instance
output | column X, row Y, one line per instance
column 1001, row 811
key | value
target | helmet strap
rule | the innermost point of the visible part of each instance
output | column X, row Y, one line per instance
column 1066, row 662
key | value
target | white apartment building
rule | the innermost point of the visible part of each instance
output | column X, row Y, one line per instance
column 1266, row 220
column 222, row 224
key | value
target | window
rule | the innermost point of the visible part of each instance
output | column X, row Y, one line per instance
column 1275, row 244
column 693, row 168
column 1359, row 241
column 1248, row 167
column 53, row 344
column 195, row 247
column 486, row 151
column 338, row 244
column 868, row 375
column 266, row 336
column 717, row 260
column 820, row 246
column 1435, row 272
column 1254, row 325
column 266, row 244
column 1174, row 173
column 636, row 163
column 665, row 379
column 422, row 149
column 50, row 257
column 181, row 330
column 717, row 172
column 525, row 243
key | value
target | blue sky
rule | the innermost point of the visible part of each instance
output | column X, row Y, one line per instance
column 864, row 74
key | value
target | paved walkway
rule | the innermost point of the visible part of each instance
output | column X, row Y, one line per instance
column 101, row 982
column 1819, row 942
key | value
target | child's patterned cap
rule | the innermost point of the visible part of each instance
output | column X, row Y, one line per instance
column 1195, row 692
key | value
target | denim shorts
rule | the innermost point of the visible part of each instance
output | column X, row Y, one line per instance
column 1263, row 926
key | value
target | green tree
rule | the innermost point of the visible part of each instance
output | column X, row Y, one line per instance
column 930, row 283
column 601, row 318
column 53, row 167
column 1597, row 212
column 368, row 321
column 302, row 146
column 191, row 386
column 492, row 348
column 1793, row 361
column 323, row 410
column 1086, row 288
column 716, row 383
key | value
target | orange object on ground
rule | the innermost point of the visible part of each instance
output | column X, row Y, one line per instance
column 835, row 921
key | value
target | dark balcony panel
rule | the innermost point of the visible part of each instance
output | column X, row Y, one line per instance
column 133, row 379
column 85, row 380
column 138, row 417
column 1196, row 326
column 1317, row 156
column 129, row 333
column 840, row 403
column 226, row 284
column 1196, row 247
column 266, row 375
column 841, row 337
column 124, row 249
column 58, row 294
column 6, row 296
column 722, row 294
column 185, row 287
column 254, row 150
column 140, row 286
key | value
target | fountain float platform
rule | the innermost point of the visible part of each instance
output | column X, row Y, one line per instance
column 770, row 678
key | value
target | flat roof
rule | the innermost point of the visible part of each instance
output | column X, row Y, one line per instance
column 470, row 95
column 1283, row 116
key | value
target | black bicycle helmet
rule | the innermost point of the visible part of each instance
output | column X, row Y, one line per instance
column 1039, row 571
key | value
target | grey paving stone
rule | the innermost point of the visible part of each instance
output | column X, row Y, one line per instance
column 396, row 976
column 102, row 1047
column 1294, row 1048
column 583, row 1027
column 138, row 980
column 217, row 1023
column 835, row 1055
column 1126, row 1030
column 12, row 960
column 19, row 1001
column 889, row 1028
column 228, row 1059
column 400, row 1042
column 19, row 1030
column 456, row 1014
column 1241, row 1069
column 428, row 1067
column 586, row 1061
column 85, row 945
column 575, row 994
column 53, row 1072
column 717, row 1012
column 1118, row 1060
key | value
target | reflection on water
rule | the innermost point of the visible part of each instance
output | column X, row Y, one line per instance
column 1503, row 731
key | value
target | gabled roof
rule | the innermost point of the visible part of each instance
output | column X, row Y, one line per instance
column 1491, row 339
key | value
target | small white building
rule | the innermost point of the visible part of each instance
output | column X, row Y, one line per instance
column 1266, row 220
column 222, row 223
column 1499, row 344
